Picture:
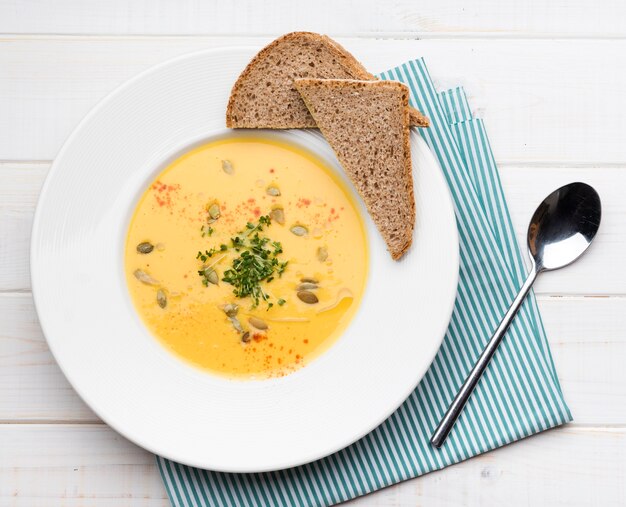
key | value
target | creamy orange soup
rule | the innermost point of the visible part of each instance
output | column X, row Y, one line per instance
column 246, row 257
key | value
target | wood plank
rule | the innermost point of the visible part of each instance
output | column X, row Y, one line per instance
column 588, row 345
column 533, row 18
column 19, row 189
column 92, row 466
column 586, row 334
column 32, row 387
column 530, row 92
column 600, row 271
column 80, row 465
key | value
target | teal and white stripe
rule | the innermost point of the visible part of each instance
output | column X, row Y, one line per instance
column 476, row 151
column 519, row 394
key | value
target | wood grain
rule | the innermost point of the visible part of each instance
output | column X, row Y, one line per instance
column 52, row 465
column 401, row 18
column 19, row 189
column 32, row 387
column 91, row 465
column 600, row 271
column 543, row 103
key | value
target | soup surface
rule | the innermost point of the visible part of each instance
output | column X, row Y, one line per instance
column 246, row 257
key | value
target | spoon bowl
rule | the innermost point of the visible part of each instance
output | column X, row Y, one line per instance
column 563, row 226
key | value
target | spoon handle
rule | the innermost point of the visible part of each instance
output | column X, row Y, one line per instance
column 456, row 407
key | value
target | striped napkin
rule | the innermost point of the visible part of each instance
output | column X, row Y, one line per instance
column 519, row 395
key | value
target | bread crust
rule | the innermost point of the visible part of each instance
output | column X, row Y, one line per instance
column 344, row 57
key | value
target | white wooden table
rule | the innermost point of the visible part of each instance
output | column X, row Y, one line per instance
column 549, row 78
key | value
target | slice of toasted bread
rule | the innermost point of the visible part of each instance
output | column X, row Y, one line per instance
column 367, row 124
column 264, row 95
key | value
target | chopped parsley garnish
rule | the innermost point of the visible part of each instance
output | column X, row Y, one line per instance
column 257, row 262
column 210, row 253
column 207, row 230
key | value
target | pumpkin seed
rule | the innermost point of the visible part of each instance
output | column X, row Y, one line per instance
column 144, row 277
column 307, row 286
column 211, row 276
column 236, row 324
column 145, row 247
column 273, row 191
column 214, row 211
column 307, row 297
column 245, row 338
column 309, row 280
column 231, row 309
column 299, row 230
column 227, row 167
column 258, row 323
column 161, row 298
column 322, row 253
column 278, row 215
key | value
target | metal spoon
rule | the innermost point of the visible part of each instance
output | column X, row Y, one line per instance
column 559, row 232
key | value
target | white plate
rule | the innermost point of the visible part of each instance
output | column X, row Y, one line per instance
column 150, row 396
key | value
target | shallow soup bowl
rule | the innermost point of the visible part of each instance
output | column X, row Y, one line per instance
column 149, row 395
